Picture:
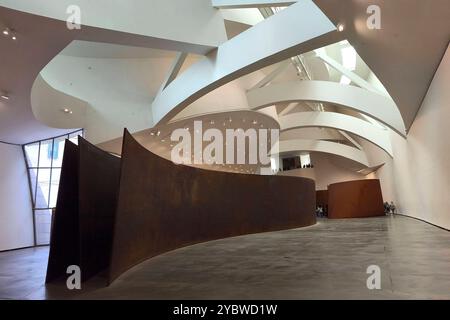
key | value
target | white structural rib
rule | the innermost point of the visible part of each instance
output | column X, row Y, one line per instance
column 235, row 4
column 159, row 24
column 266, row 43
column 268, row 78
column 338, row 121
column 360, row 82
column 369, row 103
column 299, row 145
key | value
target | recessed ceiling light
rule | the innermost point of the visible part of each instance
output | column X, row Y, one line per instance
column 255, row 122
column 6, row 32
column 5, row 96
column 66, row 110
column 340, row 27
column 14, row 38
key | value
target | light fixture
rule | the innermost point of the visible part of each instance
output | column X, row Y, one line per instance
column 158, row 133
column 6, row 32
column 152, row 133
column 66, row 110
column 14, row 38
column 5, row 96
column 255, row 122
column 340, row 27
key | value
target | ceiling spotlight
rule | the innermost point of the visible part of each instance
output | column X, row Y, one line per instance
column 14, row 37
column 66, row 110
column 340, row 27
column 6, row 32
column 5, row 96
column 255, row 122
column 230, row 120
column 212, row 122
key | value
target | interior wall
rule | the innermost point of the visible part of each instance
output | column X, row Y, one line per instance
column 418, row 178
column 16, row 220
column 328, row 172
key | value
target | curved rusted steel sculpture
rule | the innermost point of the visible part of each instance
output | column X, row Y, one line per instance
column 355, row 199
column 85, row 211
column 114, row 213
column 163, row 206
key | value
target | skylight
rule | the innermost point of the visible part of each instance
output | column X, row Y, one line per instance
column 349, row 58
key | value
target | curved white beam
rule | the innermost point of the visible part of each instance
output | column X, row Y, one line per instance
column 338, row 121
column 161, row 24
column 297, row 145
column 236, row 4
column 268, row 42
column 369, row 103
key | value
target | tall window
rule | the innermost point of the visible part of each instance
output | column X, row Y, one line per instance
column 44, row 161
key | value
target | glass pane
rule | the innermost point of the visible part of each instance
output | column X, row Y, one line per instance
column 47, row 153
column 56, row 173
column 32, row 152
column 43, row 226
column 33, row 174
column 42, row 191
column 58, row 153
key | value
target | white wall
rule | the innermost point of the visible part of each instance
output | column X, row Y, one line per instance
column 328, row 172
column 16, row 221
column 418, row 179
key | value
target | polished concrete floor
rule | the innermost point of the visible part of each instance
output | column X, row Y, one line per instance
column 325, row 261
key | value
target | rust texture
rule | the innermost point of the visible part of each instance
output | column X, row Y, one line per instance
column 163, row 206
column 355, row 199
column 114, row 213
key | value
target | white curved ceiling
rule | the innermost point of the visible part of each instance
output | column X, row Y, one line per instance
column 390, row 53
column 405, row 53
column 338, row 121
column 342, row 150
column 372, row 104
column 40, row 39
column 268, row 42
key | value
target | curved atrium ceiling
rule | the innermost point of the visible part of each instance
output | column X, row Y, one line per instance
column 328, row 90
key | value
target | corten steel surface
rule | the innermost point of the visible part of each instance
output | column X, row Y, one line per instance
column 85, row 211
column 355, row 199
column 64, row 241
column 322, row 198
column 163, row 206
column 99, row 175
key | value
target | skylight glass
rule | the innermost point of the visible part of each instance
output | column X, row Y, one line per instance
column 349, row 58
